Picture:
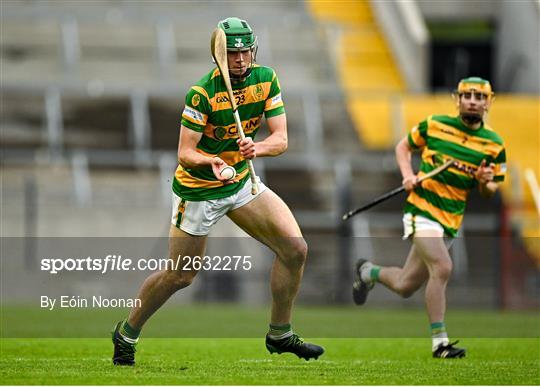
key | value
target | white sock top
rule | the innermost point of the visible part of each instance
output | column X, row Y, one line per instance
column 365, row 273
column 438, row 341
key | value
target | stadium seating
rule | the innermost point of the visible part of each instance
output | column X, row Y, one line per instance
column 365, row 66
column 382, row 110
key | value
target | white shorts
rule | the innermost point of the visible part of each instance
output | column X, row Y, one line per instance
column 413, row 223
column 197, row 217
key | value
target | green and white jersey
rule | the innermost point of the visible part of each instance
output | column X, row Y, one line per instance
column 208, row 111
column 443, row 197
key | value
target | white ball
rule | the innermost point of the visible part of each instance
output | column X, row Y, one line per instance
column 228, row 172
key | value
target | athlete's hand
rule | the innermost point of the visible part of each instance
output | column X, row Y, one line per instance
column 217, row 165
column 247, row 148
column 485, row 173
column 410, row 182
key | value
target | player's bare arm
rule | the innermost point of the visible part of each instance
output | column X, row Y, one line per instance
column 403, row 157
column 486, row 186
column 188, row 156
column 276, row 143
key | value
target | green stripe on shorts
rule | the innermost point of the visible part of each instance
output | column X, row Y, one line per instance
column 179, row 213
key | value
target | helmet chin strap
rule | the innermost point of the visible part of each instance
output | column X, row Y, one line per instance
column 471, row 118
column 241, row 78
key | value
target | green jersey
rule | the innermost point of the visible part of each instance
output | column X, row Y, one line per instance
column 208, row 111
column 443, row 197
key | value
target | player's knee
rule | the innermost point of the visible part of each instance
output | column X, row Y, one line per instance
column 179, row 280
column 295, row 253
column 442, row 270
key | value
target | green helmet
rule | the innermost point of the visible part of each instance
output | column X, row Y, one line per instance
column 240, row 37
column 239, row 34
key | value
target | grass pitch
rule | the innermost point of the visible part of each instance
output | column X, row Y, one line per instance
column 245, row 361
column 224, row 361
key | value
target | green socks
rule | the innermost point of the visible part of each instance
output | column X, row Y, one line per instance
column 370, row 273
column 281, row 331
column 130, row 334
column 438, row 335
column 374, row 273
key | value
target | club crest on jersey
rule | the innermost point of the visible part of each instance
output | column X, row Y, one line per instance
column 258, row 92
column 220, row 132
column 238, row 43
column 195, row 100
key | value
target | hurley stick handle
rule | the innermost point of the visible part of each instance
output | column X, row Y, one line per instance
column 218, row 46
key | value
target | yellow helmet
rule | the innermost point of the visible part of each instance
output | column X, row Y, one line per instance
column 475, row 84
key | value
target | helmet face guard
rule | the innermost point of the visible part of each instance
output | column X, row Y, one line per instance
column 239, row 37
column 474, row 85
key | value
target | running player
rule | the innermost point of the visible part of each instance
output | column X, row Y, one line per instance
column 435, row 208
column 201, row 196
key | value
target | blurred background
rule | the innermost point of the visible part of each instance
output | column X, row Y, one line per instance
column 92, row 94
